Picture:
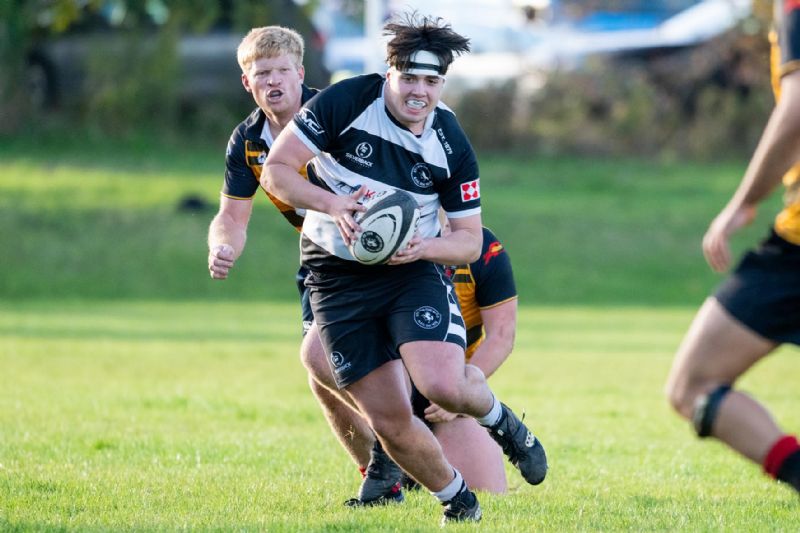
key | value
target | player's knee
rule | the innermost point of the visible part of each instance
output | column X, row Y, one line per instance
column 444, row 392
column 706, row 408
column 391, row 426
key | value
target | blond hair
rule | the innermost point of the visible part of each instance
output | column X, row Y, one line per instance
column 270, row 41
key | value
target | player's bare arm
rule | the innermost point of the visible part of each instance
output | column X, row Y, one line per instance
column 461, row 246
column 227, row 235
column 777, row 151
column 280, row 178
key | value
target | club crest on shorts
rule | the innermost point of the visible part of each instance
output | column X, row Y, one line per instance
column 427, row 317
column 337, row 359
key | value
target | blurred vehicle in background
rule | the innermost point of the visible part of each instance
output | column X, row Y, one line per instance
column 58, row 65
column 524, row 40
column 579, row 30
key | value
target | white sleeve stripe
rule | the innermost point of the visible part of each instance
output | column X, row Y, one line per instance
column 463, row 214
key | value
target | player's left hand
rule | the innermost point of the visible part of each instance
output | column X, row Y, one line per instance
column 436, row 415
column 412, row 252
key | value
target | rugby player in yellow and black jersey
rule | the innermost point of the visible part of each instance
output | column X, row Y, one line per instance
column 271, row 59
column 757, row 308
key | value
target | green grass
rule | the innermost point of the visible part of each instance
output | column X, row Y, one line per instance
column 195, row 416
column 136, row 394
column 101, row 220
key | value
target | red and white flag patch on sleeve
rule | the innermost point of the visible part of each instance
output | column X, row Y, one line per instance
column 470, row 190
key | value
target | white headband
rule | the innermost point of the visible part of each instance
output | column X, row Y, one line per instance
column 424, row 63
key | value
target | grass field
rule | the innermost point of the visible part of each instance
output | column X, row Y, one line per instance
column 195, row 416
column 138, row 395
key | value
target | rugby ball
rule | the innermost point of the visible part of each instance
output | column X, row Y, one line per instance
column 387, row 225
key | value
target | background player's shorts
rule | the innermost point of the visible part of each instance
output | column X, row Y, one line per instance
column 305, row 300
column 363, row 319
column 763, row 293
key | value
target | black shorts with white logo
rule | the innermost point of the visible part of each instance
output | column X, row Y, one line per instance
column 305, row 300
column 363, row 319
column 763, row 293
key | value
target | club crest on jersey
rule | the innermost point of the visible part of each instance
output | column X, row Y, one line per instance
column 310, row 121
column 427, row 317
column 470, row 190
column 421, row 175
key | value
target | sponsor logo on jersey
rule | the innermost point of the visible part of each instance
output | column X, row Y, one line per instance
column 421, row 175
column 446, row 144
column 359, row 160
column 364, row 150
column 427, row 317
column 470, row 190
column 310, row 121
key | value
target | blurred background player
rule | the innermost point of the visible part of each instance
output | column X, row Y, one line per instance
column 758, row 307
column 271, row 59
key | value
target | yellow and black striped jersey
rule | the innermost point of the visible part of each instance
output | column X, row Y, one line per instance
column 487, row 282
column 785, row 58
column 247, row 150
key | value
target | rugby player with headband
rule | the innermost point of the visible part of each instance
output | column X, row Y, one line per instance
column 358, row 137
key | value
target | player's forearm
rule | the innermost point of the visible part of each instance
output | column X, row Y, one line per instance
column 777, row 151
column 225, row 230
column 460, row 247
column 491, row 354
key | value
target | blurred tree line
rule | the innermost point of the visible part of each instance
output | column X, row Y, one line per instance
column 706, row 101
column 126, row 55
column 701, row 102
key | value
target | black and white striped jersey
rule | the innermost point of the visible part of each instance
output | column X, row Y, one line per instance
column 357, row 142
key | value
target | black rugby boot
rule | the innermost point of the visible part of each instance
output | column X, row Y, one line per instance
column 382, row 483
column 463, row 507
column 521, row 447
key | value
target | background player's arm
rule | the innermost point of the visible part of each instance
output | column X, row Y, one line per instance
column 777, row 151
column 281, row 178
column 227, row 235
column 500, row 327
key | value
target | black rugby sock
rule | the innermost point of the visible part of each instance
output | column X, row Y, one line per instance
column 789, row 471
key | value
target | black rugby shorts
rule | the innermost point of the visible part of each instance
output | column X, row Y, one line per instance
column 763, row 293
column 364, row 318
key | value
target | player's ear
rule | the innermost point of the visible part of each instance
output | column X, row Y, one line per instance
column 301, row 71
column 246, row 83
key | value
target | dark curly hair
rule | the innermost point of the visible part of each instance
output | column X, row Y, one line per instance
column 415, row 32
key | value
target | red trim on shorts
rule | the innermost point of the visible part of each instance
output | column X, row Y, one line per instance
column 783, row 448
